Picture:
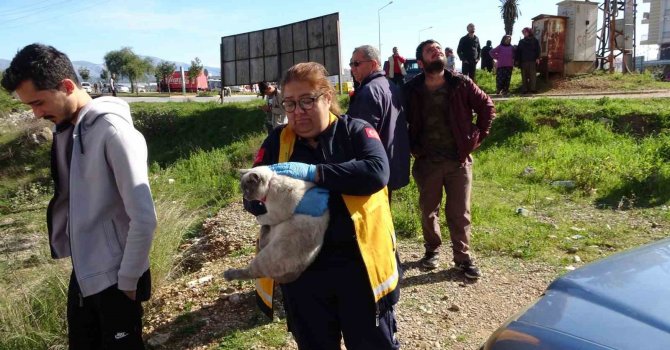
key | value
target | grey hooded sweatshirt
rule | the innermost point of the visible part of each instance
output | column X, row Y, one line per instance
column 102, row 213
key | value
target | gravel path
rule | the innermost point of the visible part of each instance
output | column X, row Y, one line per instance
column 438, row 309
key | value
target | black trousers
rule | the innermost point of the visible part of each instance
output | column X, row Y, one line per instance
column 398, row 79
column 332, row 300
column 106, row 320
column 469, row 69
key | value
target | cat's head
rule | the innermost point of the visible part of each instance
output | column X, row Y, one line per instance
column 255, row 182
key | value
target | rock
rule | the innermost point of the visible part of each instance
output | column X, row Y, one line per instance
column 522, row 211
column 564, row 184
column 572, row 250
column 518, row 253
column 654, row 225
column 170, row 181
column 552, row 236
column 199, row 281
column 454, row 308
column 158, row 340
column 570, row 268
column 235, row 299
column 44, row 135
column 577, row 237
column 578, row 229
column 576, row 259
column 528, row 171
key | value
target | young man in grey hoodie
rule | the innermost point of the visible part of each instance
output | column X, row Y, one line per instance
column 102, row 214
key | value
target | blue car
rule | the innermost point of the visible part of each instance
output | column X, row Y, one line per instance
column 620, row 302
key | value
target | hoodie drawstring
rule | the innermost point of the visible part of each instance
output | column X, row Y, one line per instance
column 79, row 136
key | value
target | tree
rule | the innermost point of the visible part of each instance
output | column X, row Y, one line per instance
column 164, row 70
column 194, row 71
column 104, row 75
column 509, row 11
column 125, row 63
column 84, row 73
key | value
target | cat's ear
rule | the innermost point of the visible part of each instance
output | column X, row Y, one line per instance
column 243, row 171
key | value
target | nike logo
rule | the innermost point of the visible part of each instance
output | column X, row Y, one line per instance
column 120, row 335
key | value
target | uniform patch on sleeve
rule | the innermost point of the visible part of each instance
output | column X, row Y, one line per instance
column 372, row 133
column 259, row 156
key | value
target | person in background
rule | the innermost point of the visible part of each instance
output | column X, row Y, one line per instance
column 528, row 53
column 396, row 68
column 102, row 214
column 469, row 52
column 112, row 87
column 504, row 56
column 350, row 290
column 451, row 59
column 487, row 61
column 443, row 132
column 275, row 113
column 378, row 102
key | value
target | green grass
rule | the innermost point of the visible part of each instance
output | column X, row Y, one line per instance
column 270, row 335
column 597, row 81
column 615, row 151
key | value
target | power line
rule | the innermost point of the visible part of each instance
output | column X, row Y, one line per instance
column 68, row 13
column 31, row 12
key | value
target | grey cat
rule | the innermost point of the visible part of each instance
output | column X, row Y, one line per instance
column 288, row 242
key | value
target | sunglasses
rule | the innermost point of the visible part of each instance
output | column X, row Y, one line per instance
column 357, row 63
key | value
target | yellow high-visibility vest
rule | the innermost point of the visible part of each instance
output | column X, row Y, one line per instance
column 374, row 233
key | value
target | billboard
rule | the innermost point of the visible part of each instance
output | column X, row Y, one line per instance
column 263, row 55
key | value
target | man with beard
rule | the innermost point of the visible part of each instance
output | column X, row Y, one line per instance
column 378, row 102
column 443, row 132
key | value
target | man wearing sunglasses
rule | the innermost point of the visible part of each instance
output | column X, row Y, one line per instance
column 378, row 102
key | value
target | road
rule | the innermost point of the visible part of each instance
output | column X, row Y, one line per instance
column 593, row 95
column 180, row 98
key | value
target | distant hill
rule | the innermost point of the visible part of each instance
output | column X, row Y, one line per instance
column 96, row 68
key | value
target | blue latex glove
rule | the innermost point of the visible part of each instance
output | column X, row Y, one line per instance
column 314, row 202
column 296, row 170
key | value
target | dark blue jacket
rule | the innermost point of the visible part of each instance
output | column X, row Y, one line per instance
column 379, row 102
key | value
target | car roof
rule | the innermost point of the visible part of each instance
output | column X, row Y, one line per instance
column 620, row 302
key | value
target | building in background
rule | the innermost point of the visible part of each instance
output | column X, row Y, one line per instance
column 658, row 19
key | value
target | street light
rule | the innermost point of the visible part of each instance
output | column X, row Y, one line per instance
column 379, row 21
column 431, row 27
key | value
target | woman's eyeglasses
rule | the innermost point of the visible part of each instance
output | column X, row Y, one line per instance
column 305, row 103
column 357, row 63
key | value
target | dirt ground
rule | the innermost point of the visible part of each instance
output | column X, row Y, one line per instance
column 438, row 309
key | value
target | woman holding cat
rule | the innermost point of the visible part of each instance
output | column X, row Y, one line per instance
column 350, row 289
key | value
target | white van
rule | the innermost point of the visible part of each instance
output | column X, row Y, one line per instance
column 86, row 86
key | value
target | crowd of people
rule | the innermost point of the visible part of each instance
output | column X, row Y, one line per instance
column 357, row 159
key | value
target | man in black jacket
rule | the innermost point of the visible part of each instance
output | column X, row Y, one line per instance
column 528, row 53
column 469, row 52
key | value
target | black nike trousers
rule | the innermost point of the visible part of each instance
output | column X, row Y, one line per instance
column 106, row 320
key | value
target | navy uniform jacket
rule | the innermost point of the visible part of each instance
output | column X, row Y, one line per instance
column 378, row 101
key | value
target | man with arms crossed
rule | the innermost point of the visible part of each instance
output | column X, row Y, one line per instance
column 442, row 134
column 102, row 214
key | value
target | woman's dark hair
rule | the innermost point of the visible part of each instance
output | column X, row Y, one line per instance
column 502, row 41
column 43, row 64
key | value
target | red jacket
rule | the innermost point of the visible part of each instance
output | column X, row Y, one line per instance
column 465, row 97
